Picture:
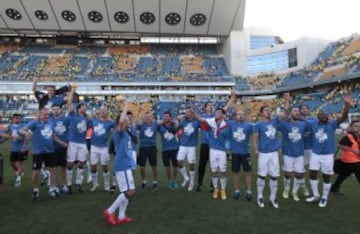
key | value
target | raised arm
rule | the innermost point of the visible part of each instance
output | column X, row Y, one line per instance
column 345, row 112
column 122, row 121
column 34, row 85
column 137, row 119
column 231, row 101
column 70, row 99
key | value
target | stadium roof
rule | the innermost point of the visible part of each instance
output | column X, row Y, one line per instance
column 127, row 17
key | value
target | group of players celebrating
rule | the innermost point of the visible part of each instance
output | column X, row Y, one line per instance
column 59, row 140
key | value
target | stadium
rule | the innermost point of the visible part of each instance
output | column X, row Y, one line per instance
column 168, row 55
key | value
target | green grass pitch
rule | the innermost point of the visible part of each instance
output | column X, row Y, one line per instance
column 172, row 211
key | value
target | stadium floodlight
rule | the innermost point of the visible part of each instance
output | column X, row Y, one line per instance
column 150, row 40
column 189, row 40
column 208, row 40
column 169, row 40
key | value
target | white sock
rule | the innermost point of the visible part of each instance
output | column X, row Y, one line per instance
column 184, row 173
column 287, row 183
column 123, row 206
column 314, row 187
column 260, row 184
column 326, row 190
column 223, row 183
column 114, row 180
column 214, row 181
column 95, row 178
column 48, row 181
column 116, row 204
column 79, row 173
column 273, row 189
column 69, row 174
column 106, row 176
column 297, row 184
column 192, row 176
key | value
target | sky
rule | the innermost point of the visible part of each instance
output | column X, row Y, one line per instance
column 292, row 19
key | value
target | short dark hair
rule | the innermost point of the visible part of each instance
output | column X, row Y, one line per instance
column 79, row 106
column 167, row 113
column 56, row 105
column 221, row 109
column 302, row 105
column 16, row 115
column 206, row 103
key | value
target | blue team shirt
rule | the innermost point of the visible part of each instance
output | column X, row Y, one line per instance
column 61, row 128
column 57, row 100
column 78, row 127
column 168, row 138
column 308, row 135
column 240, row 136
column 16, row 145
column 42, row 139
column 204, row 133
column 123, row 148
column 148, row 134
column 219, row 134
column 191, row 132
column 268, row 135
column 101, row 132
column 293, row 138
column 324, row 141
column 132, row 129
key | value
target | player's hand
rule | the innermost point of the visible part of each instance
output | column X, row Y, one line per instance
column 257, row 153
column 347, row 98
column 36, row 79
column 74, row 86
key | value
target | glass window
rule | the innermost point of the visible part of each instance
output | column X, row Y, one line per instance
column 267, row 62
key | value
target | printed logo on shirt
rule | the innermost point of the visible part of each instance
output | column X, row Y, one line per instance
column 49, row 105
column 321, row 135
column 60, row 128
column 99, row 130
column 294, row 135
column 270, row 132
column 239, row 135
column 168, row 136
column 81, row 126
column 189, row 129
column 47, row 132
column 148, row 132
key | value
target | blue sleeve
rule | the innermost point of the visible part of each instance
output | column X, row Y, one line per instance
column 335, row 123
column 31, row 124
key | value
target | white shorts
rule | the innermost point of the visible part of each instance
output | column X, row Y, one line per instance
column 188, row 152
column 134, row 155
column 99, row 153
column 307, row 156
column 325, row 162
column 268, row 164
column 125, row 180
column 294, row 164
column 218, row 160
column 76, row 152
